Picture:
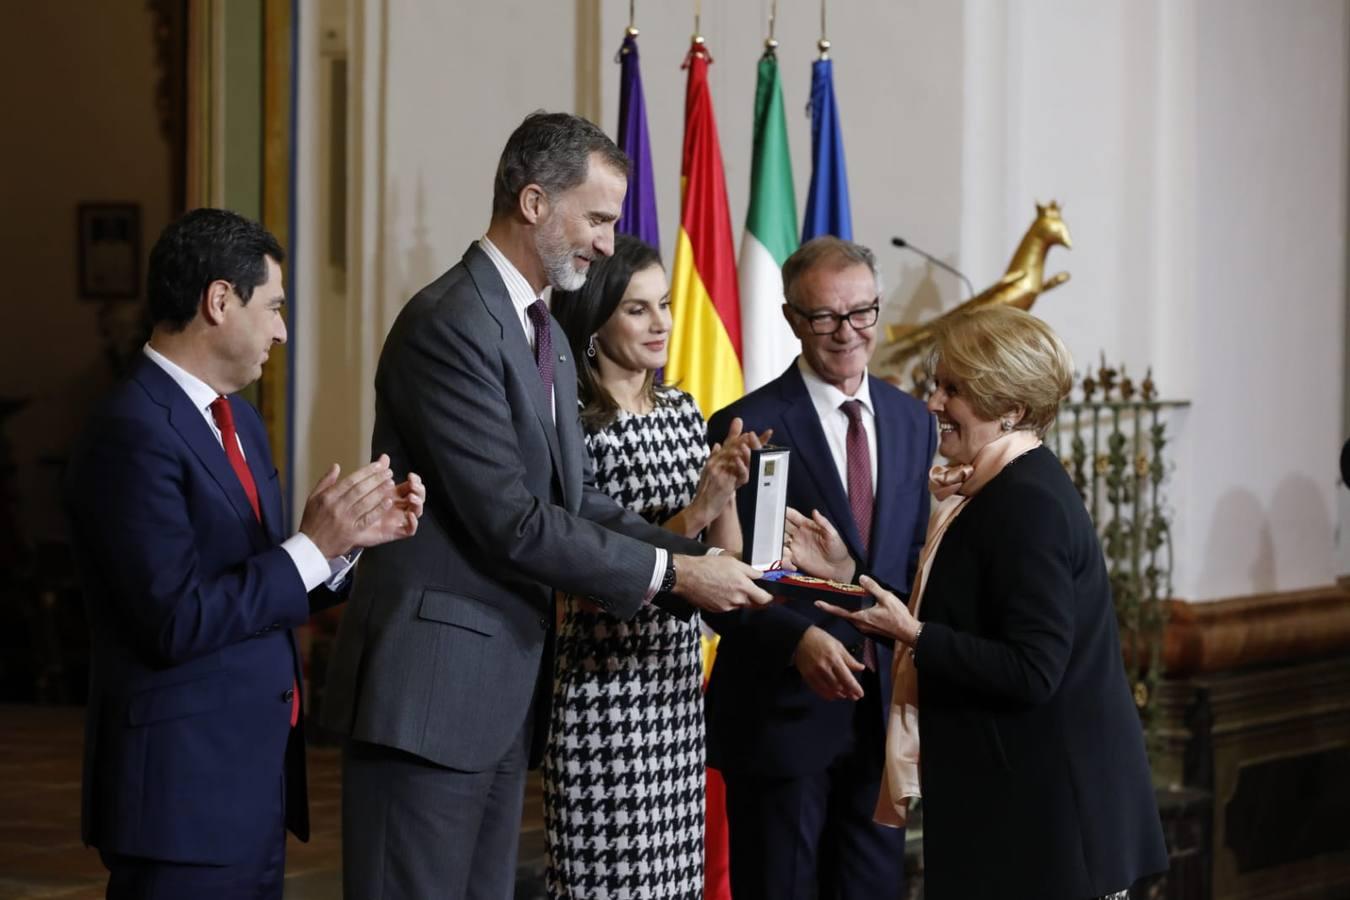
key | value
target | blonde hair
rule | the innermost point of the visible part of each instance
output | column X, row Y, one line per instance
column 1005, row 358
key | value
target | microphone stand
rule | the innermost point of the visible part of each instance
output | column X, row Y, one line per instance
column 906, row 245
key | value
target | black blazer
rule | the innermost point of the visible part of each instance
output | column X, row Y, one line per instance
column 1035, row 781
column 762, row 718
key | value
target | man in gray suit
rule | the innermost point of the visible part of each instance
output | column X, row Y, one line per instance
column 442, row 669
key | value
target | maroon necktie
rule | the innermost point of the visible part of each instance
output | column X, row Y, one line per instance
column 860, row 493
column 543, row 342
column 229, row 439
column 859, row 472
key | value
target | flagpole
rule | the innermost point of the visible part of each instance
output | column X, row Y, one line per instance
column 823, row 44
column 770, row 43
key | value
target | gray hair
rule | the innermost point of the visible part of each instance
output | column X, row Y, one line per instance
column 552, row 150
column 826, row 250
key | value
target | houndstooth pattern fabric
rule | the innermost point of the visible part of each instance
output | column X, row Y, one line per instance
column 623, row 773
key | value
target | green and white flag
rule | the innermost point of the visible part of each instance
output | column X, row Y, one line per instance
column 767, row 343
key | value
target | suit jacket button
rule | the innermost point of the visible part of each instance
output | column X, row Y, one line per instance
column 855, row 649
column 288, row 696
column 543, row 623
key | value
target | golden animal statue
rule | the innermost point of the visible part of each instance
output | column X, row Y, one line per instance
column 1019, row 287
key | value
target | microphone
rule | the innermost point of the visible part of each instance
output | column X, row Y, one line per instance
column 906, row 245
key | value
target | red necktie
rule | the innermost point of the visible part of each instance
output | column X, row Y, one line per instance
column 224, row 416
column 229, row 439
column 860, row 493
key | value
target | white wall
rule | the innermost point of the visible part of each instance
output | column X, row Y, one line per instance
column 1198, row 148
column 435, row 89
column 1270, row 293
column 1200, row 151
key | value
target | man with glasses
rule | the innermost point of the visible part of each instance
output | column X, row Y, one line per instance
column 797, row 699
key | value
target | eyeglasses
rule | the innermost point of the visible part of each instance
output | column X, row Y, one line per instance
column 829, row 323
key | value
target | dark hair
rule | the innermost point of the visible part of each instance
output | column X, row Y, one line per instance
column 826, row 250
column 552, row 150
column 203, row 246
column 582, row 313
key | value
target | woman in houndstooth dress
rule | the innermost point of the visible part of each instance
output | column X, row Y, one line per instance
column 624, row 768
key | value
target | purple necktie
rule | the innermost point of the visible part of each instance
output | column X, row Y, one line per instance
column 543, row 343
column 860, row 493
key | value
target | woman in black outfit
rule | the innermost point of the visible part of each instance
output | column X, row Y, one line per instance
column 1034, row 776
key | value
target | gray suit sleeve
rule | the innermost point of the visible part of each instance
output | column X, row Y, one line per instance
column 447, row 386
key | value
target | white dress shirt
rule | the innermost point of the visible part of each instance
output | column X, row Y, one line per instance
column 309, row 560
column 827, row 399
column 522, row 298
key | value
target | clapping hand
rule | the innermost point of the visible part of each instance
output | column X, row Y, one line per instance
column 728, row 468
column 361, row 510
column 399, row 519
column 814, row 546
column 888, row 618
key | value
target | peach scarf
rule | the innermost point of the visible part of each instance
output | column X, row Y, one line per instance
column 952, row 487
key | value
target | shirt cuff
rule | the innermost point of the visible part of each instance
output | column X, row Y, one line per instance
column 658, row 573
column 309, row 560
column 340, row 567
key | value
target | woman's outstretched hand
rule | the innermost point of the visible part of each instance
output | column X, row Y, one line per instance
column 888, row 618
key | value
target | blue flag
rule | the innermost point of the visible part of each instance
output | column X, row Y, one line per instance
column 827, row 210
column 639, row 204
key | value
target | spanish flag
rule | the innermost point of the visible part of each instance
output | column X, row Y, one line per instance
column 705, row 349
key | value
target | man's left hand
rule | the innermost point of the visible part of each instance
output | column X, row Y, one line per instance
column 400, row 519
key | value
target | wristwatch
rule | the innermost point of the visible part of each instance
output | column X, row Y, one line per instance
column 918, row 630
column 668, row 579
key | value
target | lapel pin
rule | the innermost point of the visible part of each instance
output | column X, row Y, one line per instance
column 562, row 358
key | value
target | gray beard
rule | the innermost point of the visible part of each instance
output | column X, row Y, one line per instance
column 556, row 257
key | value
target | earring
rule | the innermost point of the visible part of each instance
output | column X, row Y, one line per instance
column 1007, row 425
column 590, row 347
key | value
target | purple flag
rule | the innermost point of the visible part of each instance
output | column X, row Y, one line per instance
column 639, row 205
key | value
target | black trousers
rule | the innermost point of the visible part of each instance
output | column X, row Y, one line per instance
column 809, row 836
column 413, row 830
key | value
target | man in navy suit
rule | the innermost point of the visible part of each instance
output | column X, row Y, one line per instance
column 194, row 750
column 796, row 702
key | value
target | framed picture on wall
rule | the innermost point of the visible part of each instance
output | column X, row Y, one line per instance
column 109, row 250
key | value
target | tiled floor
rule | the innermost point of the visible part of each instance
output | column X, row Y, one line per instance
column 40, row 851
